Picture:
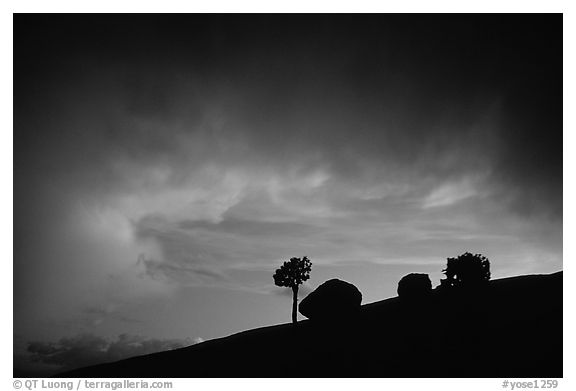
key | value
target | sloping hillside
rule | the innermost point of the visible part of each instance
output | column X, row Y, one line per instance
column 513, row 328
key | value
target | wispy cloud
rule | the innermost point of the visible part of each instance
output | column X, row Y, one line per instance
column 99, row 314
column 452, row 192
column 88, row 349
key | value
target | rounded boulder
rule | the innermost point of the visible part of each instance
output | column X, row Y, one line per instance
column 414, row 286
column 332, row 299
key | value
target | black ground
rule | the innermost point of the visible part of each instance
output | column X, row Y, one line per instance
column 512, row 328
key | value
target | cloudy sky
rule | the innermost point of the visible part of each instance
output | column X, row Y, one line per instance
column 166, row 166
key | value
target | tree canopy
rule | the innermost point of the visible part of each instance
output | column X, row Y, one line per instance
column 466, row 270
column 293, row 273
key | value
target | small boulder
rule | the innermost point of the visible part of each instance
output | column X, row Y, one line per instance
column 331, row 300
column 414, row 286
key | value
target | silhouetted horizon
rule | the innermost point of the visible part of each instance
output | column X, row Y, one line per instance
column 473, row 310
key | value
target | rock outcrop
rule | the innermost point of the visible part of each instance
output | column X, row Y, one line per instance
column 414, row 286
column 333, row 299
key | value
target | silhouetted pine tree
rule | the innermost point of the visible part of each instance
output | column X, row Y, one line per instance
column 291, row 274
column 466, row 270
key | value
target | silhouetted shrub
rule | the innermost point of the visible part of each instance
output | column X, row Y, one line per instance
column 414, row 286
column 466, row 270
column 333, row 299
column 290, row 275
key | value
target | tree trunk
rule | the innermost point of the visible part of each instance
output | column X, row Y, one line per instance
column 295, row 304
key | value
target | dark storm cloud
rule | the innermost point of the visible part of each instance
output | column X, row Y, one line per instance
column 87, row 349
column 212, row 147
column 182, row 271
column 247, row 227
column 202, row 252
column 142, row 104
column 425, row 96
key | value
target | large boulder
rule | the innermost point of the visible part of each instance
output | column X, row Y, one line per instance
column 414, row 286
column 331, row 300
